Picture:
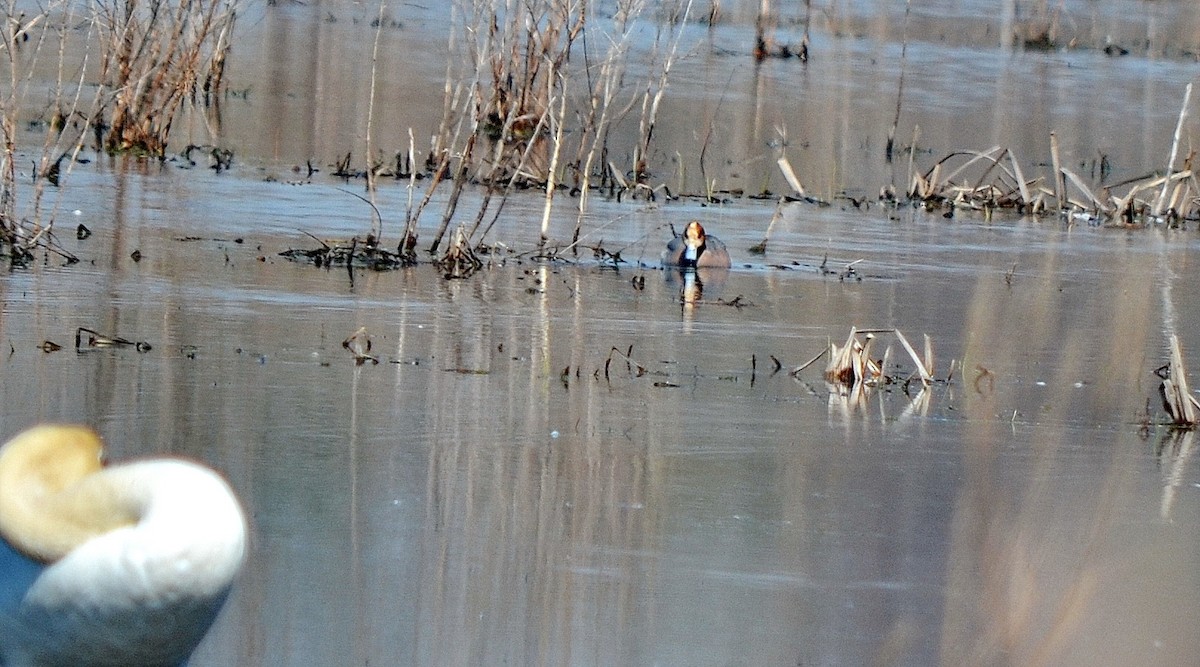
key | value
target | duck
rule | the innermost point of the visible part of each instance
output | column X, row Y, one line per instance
column 695, row 249
column 115, row 565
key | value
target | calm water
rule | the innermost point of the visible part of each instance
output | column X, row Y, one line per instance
column 465, row 502
column 503, row 487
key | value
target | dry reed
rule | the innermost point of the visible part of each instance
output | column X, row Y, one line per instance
column 25, row 221
column 1177, row 399
column 528, row 103
column 157, row 56
column 993, row 179
column 851, row 364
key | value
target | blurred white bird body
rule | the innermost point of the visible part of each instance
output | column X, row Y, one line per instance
column 142, row 554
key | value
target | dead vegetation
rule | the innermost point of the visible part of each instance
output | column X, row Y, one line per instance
column 852, row 364
column 1176, row 444
column 852, row 374
column 157, row 56
column 1177, row 398
column 30, row 37
column 89, row 339
column 531, row 105
column 354, row 253
column 994, row 180
column 359, row 345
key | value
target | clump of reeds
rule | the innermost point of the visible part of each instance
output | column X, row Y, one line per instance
column 993, row 179
column 460, row 260
column 851, row 364
column 157, row 56
column 529, row 105
column 29, row 35
column 1177, row 399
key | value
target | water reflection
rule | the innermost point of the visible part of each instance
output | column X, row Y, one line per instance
column 1175, row 454
column 696, row 285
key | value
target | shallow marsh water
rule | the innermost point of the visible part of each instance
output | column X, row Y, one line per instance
column 465, row 501
column 503, row 488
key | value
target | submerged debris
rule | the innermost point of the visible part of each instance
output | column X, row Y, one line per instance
column 86, row 339
column 359, row 344
column 355, row 254
column 460, row 260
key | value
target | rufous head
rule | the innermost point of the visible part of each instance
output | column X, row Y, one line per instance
column 693, row 241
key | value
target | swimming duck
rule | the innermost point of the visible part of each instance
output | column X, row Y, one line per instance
column 138, row 557
column 696, row 250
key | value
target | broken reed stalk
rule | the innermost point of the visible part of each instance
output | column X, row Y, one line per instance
column 1020, row 177
column 789, row 175
column 1176, row 396
column 891, row 141
column 377, row 232
column 559, row 122
column 655, row 89
column 1094, row 202
column 924, row 366
column 912, row 156
column 761, row 248
column 1159, row 204
column 409, row 220
column 1059, row 185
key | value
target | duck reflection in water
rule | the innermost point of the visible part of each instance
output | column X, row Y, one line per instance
column 696, row 260
column 126, row 565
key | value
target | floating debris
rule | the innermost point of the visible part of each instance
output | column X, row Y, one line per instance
column 359, row 344
column 364, row 253
column 86, row 339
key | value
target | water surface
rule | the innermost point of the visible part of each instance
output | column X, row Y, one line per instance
column 504, row 487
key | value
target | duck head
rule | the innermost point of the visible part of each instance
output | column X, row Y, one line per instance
column 694, row 243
